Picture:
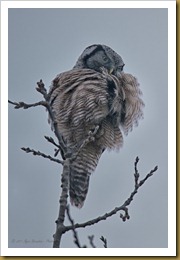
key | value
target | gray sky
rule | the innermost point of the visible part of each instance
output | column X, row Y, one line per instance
column 45, row 42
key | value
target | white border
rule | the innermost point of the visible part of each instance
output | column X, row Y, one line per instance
column 171, row 250
column 87, row 4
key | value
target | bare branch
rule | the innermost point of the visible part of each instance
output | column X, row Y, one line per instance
column 18, row 105
column 126, row 214
column 76, row 239
column 104, row 240
column 148, row 175
column 136, row 174
column 41, row 88
column 91, row 241
column 60, row 228
column 28, row 150
column 123, row 207
column 51, row 140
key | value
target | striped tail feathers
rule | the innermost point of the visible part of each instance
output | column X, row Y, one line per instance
column 80, row 170
column 79, row 183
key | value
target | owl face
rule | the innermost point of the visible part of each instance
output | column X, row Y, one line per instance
column 99, row 56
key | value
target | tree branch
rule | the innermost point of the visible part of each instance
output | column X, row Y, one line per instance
column 51, row 140
column 76, row 239
column 104, row 240
column 20, row 104
column 60, row 228
column 123, row 207
column 91, row 241
column 28, row 150
column 41, row 88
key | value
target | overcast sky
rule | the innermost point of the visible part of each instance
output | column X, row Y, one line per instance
column 45, row 42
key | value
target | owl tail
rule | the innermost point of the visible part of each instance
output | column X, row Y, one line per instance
column 80, row 171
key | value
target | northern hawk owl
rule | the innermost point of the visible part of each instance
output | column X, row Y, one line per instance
column 95, row 92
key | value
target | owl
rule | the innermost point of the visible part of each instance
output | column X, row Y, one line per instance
column 95, row 94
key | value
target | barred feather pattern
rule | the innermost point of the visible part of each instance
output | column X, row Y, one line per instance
column 82, row 99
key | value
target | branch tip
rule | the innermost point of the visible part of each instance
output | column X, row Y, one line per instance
column 91, row 241
column 34, row 152
column 76, row 239
column 104, row 240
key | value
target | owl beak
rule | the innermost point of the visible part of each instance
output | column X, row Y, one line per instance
column 111, row 70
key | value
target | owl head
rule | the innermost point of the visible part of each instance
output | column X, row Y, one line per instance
column 99, row 56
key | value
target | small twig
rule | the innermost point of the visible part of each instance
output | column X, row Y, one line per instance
column 51, row 140
column 91, row 241
column 104, row 240
column 126, row 214
column 148, row 175
column 41, row 88
column 76, row 239
column 18, row 105
column 28, row 150
column 56, row 151
column 136, row 174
